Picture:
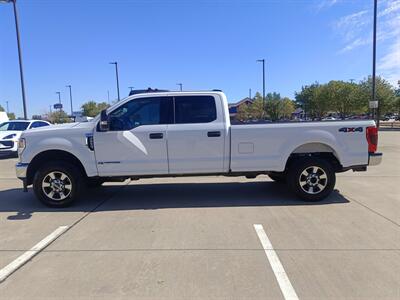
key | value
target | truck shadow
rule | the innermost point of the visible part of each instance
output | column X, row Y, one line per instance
column 165, row 195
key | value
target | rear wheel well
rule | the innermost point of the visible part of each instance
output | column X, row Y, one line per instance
column 327, row 156
column 52, row 155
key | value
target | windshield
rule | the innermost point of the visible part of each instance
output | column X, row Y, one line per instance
column 14, row 126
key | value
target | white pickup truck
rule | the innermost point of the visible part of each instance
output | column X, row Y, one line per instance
column 160, row 134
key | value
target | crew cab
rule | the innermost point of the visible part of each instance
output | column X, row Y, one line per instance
column 172, row 134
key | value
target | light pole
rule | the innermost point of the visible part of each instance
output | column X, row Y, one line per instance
column 116, row 74
column 263, row 64
column 21, row 72
column 131, row 88
column 180, row 86
column 70, row 98
column 374, row 101
column 8, row 110
column 108, row 96
column 250, row 94
column 59, row 99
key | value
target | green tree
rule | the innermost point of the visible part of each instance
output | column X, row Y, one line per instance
column 385, row 94
column 314, row 99
column 92, row 108
column 1, row 108
column 287, row 108
column 273, row 105
column 345, row 98
column 58, row 117
column 11, row 116
column 244, row 113
column 396, row 107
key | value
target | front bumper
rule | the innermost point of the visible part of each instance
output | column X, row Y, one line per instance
column 375, row 159
column 7, row 146
column 21, row 170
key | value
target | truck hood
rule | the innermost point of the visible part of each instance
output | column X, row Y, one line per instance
column 60, row 129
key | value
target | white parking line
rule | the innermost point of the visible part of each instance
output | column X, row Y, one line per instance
column 28, row 255
column 279, row 272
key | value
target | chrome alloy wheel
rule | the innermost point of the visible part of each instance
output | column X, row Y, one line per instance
column 313, row 180
column 57, row 185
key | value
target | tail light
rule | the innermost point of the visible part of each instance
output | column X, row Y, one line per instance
column 372, row 139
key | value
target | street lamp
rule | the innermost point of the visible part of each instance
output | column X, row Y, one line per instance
column 263, row 64
column 70, row 98
column 8, row 111
column 116, row 74
column 180, row 86
column 21, row 73
column 375, row 104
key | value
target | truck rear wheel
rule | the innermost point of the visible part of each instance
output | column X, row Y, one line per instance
column 311, row 178
column 57, row 184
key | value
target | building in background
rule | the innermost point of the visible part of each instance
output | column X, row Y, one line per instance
column 234, row 107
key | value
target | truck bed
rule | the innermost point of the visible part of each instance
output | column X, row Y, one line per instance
column 260, row 147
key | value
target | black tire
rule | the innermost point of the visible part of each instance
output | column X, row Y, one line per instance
column 69, row 187
column 94, row 182
column 279, row 177
column 305, row 184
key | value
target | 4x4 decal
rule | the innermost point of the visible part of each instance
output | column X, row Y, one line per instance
column 351, row 129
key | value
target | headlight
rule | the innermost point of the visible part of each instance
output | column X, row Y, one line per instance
column 10, row 136
column 21, row 145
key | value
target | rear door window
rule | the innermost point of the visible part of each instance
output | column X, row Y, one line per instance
column 195, row 109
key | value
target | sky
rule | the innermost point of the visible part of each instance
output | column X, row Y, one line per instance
column 202, row 44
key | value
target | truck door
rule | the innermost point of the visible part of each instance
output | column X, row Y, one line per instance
column 136, row 143
column 196, row 139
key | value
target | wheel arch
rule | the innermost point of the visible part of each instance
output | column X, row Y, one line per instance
column 315, row 149
column 52, row 155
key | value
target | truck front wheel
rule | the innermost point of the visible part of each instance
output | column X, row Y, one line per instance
column 311, row 178
column 57, row 184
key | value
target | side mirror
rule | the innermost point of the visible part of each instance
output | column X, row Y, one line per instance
column 103, row 125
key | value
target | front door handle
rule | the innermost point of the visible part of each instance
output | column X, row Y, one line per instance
column 158, row 135
column 214, row 133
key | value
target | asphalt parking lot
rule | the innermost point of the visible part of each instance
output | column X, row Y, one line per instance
column 194, row 238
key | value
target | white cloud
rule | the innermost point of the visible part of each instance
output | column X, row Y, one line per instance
column 326, row 4
column 355, row 44
column 392, row 6
column 355, row 31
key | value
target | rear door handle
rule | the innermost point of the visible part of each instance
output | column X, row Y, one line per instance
column 157, row 135
column 214, row 133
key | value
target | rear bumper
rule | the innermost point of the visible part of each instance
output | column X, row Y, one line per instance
column 375, row 159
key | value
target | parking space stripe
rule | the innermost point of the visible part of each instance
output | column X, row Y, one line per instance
column 279, row 272
column 28, row 255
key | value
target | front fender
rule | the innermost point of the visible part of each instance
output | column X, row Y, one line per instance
column 73, row 145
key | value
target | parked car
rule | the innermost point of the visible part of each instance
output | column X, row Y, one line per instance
column 329, row 119
column 11, row 131
column 176, row 134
